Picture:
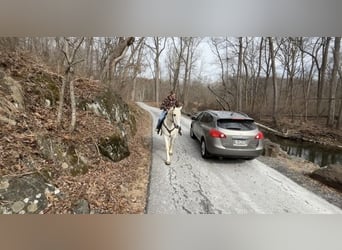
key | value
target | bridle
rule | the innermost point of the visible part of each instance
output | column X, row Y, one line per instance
column 175, row 126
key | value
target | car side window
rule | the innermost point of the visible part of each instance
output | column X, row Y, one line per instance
column 199, row 117
column 206, row 118
column 202, row 118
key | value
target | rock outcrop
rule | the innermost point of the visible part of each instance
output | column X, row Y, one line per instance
column 27, row 194
column 272, row 149
column 330, row 175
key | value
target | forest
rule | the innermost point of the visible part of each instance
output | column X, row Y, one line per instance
column 69, row 117
column 298, row 78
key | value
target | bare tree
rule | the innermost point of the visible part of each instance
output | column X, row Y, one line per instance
column 115, row 53
column 175, row 60
column 189, row 59
column 326, row 43
column 238, row 76
column 322, row 43
column 137, row 66
column 89, row 56
column 289, row 57
column 333, row 82
column 256, row 86
column 131, row 68
column 305, row 77
column 274, row 81
column 339, row 119
column 266, row 66
column 220, row 50
column 248, row 58
column 70, row 48
column 157, row 48
column 9, row 43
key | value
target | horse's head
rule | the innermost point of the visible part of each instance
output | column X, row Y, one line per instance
column 175, row 115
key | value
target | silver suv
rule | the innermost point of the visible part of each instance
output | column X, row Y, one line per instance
column 227, row 134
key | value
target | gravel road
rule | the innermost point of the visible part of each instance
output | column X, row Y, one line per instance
column 192, row 185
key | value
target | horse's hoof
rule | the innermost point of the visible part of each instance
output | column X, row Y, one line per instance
column 167, row 162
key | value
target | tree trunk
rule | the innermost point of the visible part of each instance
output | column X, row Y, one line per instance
column 274, row 80
column 186, row 71
column 157, row 77
column 246, row 82
column 194, row 42
column 256, row 86
column 134, row 88
column 268, row 72
column 339, row 120
column 176, row 71
column 73, row 107
column 137, row 67
column 90, row 56
column 238, row 77
column 61, row 101
column 306, row 84
column 333, row 83
column 117, row 55
column 157, row 49
column 69, row 51
column 321, row 84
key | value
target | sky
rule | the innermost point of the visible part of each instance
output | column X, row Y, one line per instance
column 205, row 67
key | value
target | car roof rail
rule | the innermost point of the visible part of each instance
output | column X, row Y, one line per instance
column 241, row 113
column 214, row 112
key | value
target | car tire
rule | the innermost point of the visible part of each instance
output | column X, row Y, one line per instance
column 204, row 151
column 192, row 135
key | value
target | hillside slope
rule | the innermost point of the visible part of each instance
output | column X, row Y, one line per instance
column 45, row 169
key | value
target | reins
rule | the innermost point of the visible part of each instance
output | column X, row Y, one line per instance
column 173, row 122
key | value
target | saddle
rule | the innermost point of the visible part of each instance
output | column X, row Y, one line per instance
column 159, row 125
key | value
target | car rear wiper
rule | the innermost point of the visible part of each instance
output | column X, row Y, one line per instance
column 232, row 128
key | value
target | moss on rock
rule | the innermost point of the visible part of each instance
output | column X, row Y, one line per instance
column 52, row 93
column 114, row 147
column 78, row 165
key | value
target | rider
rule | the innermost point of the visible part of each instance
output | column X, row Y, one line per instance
column 169, row 102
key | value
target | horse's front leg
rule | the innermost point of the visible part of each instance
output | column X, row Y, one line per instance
column 172, row 142
column 167, row 147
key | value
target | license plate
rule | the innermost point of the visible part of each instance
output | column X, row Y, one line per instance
column 240, row 143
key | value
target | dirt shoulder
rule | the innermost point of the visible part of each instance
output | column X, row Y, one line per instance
column 297, row 170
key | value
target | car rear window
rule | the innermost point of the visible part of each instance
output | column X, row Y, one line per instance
column 235, row 124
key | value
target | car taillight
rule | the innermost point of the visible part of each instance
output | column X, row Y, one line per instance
column 259, row 136
column 217, row 134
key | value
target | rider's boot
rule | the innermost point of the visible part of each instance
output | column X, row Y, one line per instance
column 158, row 127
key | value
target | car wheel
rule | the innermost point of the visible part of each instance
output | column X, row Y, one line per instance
column 192, row 135
column 204, row 151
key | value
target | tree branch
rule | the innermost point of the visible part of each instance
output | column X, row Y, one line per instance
column 226, row 102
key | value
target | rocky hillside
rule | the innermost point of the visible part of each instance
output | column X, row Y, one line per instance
column 101, row 167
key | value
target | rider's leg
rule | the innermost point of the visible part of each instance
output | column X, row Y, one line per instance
column 160, row 120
